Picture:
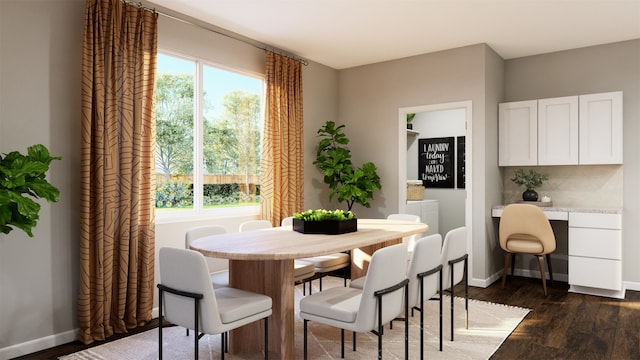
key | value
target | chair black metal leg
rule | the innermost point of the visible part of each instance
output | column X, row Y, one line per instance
column 421, row 318
column 266, row 338
column 342, row 343
column 305, row 339
column 440, row 310
column 406, row 321
column 452, row 296
column 196, row 330
column 466, row 294
column 222, row 339
column 354, row 341
column 160, row 324
column 380, row 328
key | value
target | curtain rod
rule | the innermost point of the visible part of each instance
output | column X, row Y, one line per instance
column 261, row 47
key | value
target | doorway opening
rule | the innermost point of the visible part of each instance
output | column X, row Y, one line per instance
column 455, row 124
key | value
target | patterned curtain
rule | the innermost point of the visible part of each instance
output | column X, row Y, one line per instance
column 117, row 169
column 282, row 159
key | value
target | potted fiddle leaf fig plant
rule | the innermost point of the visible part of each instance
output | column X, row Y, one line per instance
column 530, row 180
column 22, row 179
column 333, row 158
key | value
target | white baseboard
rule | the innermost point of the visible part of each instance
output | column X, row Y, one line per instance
column 35, row 345
column 484, row 283
column 46, row 342
column 631, row 285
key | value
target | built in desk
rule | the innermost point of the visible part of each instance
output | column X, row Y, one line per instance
column 594, row 248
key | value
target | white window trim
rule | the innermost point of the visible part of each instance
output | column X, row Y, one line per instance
column 199, row 212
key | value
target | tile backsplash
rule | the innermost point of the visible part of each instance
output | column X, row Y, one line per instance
column 584, row 186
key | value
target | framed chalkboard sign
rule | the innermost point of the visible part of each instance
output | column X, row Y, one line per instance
column 460, row 162
column 436, row 162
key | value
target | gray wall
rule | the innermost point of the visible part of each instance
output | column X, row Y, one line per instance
column 40, row 103
column 369, row 99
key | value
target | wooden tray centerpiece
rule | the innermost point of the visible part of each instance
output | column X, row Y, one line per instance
column 320, row 221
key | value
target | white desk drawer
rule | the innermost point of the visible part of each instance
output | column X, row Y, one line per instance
column 600, row 243
column 595, row 220
column 596, row 273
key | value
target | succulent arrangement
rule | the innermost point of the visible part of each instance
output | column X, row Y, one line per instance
column 324, row 215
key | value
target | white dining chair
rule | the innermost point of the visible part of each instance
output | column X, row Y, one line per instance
column 454, row 260
column 254, row 225
column 425, row 279
column 288, row 221
column 409, row 240
column 382, row 299
column 186, row 298
column 424, row 272
column 219, row 277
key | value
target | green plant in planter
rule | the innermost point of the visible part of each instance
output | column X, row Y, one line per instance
column 333, row 158
column 530, row 181
column 324, row 215
column 22, row 177
column 409, row 119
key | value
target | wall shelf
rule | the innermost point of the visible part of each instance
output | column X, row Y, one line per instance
column 412, row 133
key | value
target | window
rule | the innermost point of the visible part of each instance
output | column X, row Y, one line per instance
column 208, row 125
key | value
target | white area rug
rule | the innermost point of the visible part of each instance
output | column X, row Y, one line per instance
column 489, row 325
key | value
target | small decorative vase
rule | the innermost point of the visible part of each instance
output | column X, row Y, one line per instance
column 409, row 126
column 530, row 195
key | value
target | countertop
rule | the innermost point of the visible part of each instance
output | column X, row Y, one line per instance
column 567, row 209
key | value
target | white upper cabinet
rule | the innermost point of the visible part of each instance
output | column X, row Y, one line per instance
column 518, row 132
column 558, row 131
column 571, row 130
column 601, row 128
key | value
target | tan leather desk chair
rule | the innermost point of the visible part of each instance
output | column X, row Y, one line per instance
column 525, row 229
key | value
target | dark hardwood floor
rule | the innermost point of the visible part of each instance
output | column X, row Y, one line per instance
column 562, row 325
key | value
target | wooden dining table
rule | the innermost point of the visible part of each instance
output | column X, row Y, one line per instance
column 262, row 261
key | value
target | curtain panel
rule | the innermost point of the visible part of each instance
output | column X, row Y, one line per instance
column 117, row 169
column 282, row 158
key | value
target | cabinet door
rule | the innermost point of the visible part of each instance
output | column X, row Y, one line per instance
column 601, row 128
column 595, row 273
column 595, row 243
column 558, row 131
column 518, row 133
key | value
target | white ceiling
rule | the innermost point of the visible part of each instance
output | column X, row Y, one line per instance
column 347, row 33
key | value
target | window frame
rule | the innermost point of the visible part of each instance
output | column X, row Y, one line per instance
column 199, row 212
